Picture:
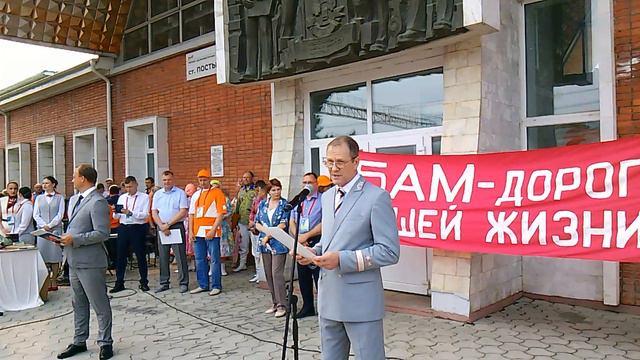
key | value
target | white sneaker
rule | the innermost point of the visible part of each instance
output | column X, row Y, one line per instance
column 280, row 312
column 240, row 268
column 223, row 270
column 255, row 278
column 214, row 292
column 271, row 310
column 197, row 290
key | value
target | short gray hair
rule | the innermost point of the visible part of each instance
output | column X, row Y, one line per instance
column 354, row 149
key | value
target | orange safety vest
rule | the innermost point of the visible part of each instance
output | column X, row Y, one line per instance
column 114, row 222
column 209, row 205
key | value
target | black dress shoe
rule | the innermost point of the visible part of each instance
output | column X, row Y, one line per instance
column 106, row 352
column 144, row 287
column 117, row 288
column 71, row 350
column 303, row 313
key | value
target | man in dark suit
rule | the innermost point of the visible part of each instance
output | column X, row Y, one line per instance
column 87, row 258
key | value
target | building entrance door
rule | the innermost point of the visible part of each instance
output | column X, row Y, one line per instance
column 412, row 273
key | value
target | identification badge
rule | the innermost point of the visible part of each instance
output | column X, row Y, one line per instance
column 10, row 220
column 304, row 225
column 200, row 211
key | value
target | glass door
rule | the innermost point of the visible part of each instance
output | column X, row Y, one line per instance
column 412, row 273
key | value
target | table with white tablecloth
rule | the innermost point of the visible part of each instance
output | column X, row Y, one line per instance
column 22, row 274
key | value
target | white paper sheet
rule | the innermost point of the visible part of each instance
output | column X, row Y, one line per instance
column 286, row 239
column 174, row 238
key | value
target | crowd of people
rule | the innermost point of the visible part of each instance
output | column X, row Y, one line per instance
column 214, row 227
column 207, row 222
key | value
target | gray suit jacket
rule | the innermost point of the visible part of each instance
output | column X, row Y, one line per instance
column 365, row 234
column 89, row 225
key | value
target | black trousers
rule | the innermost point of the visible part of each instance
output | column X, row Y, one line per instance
column 307, row 277
column 133, row 235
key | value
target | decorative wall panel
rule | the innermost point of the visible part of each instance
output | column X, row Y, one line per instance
column 95, row 25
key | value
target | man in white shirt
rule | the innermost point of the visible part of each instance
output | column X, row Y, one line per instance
column 132, row 210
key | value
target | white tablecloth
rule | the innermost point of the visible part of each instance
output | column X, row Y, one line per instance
column 22, row 274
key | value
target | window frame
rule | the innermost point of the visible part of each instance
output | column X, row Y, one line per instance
column 601, row 41
column 602, row 47
column 369, row 71
column 150, row 20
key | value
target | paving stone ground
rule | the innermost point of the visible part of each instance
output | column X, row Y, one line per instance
column 232, row 326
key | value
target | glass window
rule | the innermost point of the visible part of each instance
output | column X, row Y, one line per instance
column 315, row 160
column 186, row 2
column 436, row 145
column 341, row 111
column 402, row 150
column 197, row 20
column 151, row 163
column 150, row 141
column 138, row 13
column 165, row 32
column 561, row 78
column 160, row 6
column 539, row 137
column 408, row 102
column 136, row 43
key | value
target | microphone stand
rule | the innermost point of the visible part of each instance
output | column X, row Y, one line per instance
column 292, row 303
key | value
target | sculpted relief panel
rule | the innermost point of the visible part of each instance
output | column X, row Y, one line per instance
column 276, row 38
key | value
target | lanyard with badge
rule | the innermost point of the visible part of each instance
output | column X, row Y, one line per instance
column 200, row 208
column 135, row 198
column 304, row 220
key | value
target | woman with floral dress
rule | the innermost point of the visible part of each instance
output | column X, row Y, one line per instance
column 271, row 212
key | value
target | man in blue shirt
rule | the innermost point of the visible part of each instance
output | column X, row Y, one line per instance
column 170, row 207
column 310, row 231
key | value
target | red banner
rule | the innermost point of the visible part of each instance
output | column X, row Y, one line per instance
column 580, row 201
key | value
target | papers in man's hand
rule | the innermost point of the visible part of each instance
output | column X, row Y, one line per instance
column 46, row 235
column 174, row 238
column 286, row 240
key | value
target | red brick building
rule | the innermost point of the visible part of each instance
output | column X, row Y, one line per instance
column 198, row 114
column 627, row 58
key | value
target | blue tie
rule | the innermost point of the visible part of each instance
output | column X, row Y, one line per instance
column 75, row 206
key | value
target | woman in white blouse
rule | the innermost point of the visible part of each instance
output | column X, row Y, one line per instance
column 48, row 212
column 22, row 225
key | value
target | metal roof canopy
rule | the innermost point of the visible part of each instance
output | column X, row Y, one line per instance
column 94, row 26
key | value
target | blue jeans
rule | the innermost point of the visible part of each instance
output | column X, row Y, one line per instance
column 202, row 248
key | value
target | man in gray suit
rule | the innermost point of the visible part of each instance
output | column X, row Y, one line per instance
column 359, row 235
column 87, row 258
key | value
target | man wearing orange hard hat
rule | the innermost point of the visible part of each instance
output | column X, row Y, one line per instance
column 324, row 183
column 206, row 212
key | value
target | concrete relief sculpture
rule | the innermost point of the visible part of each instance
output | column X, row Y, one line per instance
column 276, row 38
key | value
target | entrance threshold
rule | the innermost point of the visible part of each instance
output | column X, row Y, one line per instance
column 405, row 303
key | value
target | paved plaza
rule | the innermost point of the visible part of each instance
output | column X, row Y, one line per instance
column 232, row 326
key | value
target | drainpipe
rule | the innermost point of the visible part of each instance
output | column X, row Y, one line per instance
column 6, row 138
column 109, row 119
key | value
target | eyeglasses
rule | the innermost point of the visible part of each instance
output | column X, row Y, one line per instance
column 339, row 164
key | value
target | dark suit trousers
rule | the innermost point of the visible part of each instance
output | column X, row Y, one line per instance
column 180, row 251
column 131, row 235
column 307, row 277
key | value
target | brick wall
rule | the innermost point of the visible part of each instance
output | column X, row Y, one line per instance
column 627, row 57
column 200, row 113
column 60, row 115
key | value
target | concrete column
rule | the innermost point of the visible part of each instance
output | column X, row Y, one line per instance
column 287, row 154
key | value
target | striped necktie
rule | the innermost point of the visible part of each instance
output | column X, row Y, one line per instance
column 339, row 199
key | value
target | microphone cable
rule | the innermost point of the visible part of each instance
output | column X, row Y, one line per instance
column 184, row 312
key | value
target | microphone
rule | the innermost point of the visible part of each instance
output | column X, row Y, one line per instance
column 299, row 198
